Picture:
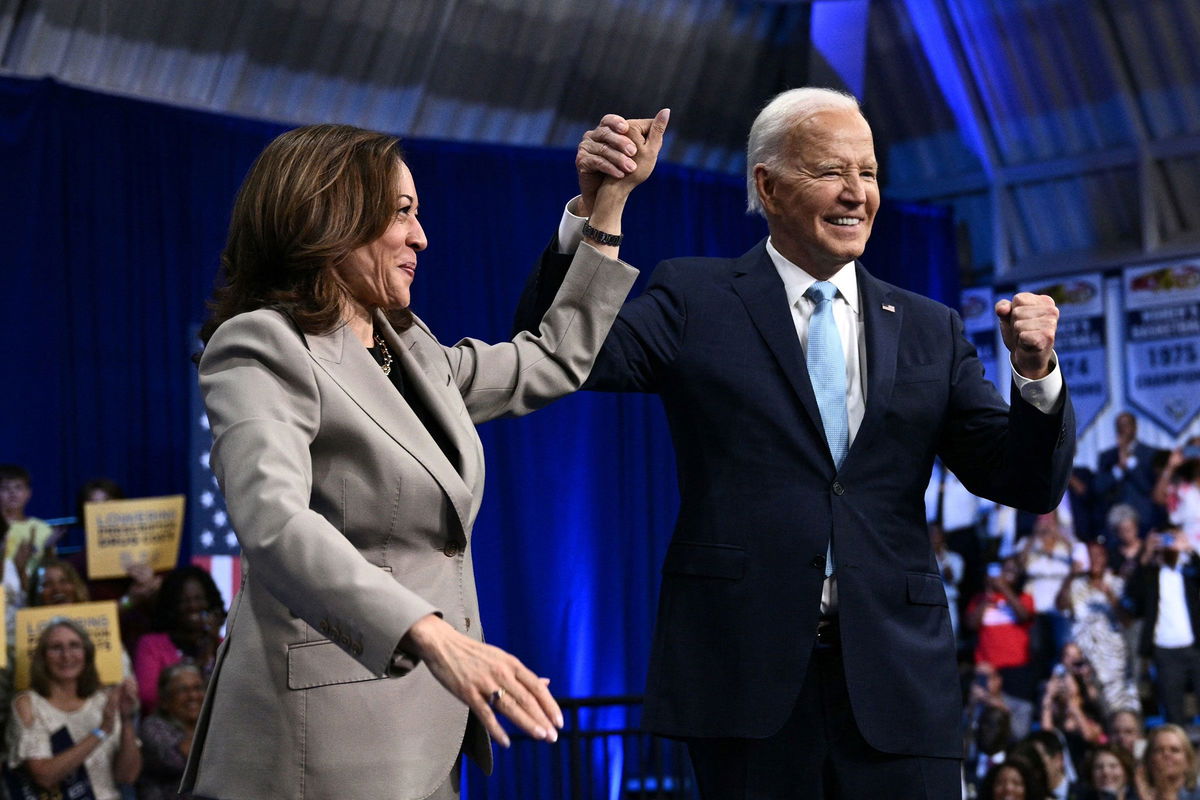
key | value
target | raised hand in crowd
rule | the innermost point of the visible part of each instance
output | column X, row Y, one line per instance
column 122, row 700
column 21, row 560
column 1062, row 707
column 145, row 582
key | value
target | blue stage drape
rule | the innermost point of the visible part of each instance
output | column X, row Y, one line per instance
column 112, row 216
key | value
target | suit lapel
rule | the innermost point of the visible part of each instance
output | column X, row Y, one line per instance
column 757, row 282
column 882, row 331
column 426, row 370
column 347, row 362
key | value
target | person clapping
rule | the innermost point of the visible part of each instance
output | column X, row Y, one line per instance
column 69, row 734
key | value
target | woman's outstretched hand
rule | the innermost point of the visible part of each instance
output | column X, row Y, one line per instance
column 486, row 678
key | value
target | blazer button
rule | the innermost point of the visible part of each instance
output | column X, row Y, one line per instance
column 818, row 562
column 837, row 489
column 450, row 550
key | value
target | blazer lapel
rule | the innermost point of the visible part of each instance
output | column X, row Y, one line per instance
column 426, row 370
column 882, row 316
column 347, row 362
column 758, row 284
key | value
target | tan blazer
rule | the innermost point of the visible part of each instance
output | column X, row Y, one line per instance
column 353, row 525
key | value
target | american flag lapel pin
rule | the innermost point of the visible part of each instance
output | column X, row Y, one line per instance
column 889, row 307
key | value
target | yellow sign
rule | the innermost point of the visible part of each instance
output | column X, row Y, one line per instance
column 98, row 619
column 125, row 532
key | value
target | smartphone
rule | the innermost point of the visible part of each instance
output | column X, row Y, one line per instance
column 1191, row 451
column 995, row 569
column 1167, row 539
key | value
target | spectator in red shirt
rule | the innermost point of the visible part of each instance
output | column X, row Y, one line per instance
column 1002, row 615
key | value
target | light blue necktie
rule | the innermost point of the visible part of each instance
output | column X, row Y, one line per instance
column 827, row 371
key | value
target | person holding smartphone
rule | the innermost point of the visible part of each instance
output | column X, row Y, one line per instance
column 1178, row 490
column 1002, row 615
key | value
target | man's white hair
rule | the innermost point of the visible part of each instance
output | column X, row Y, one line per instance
column 767, row 142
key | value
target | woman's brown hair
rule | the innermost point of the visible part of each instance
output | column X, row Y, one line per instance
column 39, row 674
column 311, row 197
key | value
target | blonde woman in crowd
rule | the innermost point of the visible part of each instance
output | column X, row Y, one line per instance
column 1169, row 766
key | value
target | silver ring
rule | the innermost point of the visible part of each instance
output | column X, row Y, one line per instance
column 496, row 697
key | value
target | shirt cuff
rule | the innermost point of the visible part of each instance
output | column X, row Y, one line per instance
column 402, row 663
column 1044, row 394
column 570, row 229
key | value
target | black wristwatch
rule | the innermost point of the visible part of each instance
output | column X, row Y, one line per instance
column 600, row 237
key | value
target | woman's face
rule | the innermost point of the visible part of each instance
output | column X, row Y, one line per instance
column 1168, row 755
column 185, row 696
column 57, row 588
column 1009, row 785
column 1107, row 773
column 379, row 274
column 1072, row 656
column 1127, row 531
column 65, row 654
column 193, row 606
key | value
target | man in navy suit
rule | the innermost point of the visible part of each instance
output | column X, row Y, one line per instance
column 803, row 646
column 1126, row 473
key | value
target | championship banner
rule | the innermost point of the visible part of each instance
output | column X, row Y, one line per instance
column 1080, row 342
column 125, row 532
column 979, row 325
column 1162, row 342
column 98, row 619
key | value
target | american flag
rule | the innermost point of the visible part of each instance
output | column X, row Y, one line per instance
column 214, row 545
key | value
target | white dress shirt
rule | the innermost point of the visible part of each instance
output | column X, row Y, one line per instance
column 1173, row 627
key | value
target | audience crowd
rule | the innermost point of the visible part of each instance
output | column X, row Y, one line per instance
column 68, row 735
column 1078, row 630
column 1079, row 636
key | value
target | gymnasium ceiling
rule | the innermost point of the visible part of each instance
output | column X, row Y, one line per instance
column 1065, row 133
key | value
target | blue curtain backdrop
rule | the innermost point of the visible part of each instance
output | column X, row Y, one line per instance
column 112, row 216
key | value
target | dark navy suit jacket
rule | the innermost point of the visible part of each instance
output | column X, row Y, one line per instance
column 1135, row 487
column 760, row 497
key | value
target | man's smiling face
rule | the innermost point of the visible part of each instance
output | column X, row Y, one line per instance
column 821, row 198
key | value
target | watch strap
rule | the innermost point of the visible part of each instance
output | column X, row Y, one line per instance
column 610, row 239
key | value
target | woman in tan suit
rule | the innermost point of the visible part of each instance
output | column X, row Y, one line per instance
column 354, row 664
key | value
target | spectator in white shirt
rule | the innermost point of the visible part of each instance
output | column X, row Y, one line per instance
column 1165, row 592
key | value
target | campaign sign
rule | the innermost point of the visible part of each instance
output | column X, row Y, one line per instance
column 1162, row 342
column 979, row 325
column 98, row 619
column 1081, row 342
column 125, row 532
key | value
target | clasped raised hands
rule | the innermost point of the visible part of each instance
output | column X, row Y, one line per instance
column 618, row 151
